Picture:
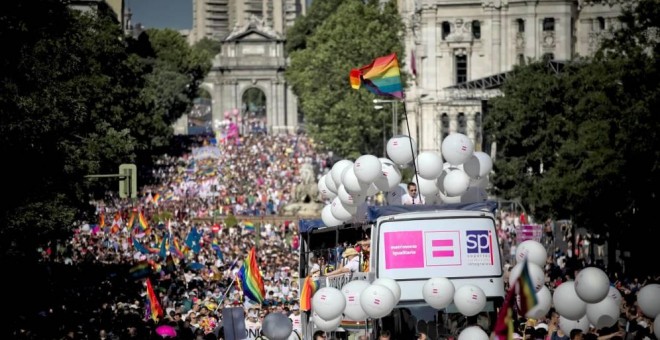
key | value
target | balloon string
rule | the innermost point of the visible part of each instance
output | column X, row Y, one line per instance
column 412, row 152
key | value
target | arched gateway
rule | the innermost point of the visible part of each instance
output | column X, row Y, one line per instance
column 248, row 75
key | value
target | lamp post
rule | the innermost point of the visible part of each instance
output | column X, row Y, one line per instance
column 395, row 118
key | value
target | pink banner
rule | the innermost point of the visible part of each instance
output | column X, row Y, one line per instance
column 404, row 249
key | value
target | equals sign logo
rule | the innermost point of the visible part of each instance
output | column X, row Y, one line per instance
column 351, row 298
column 443, row 244
column 463, row 147
column 474, row 297
column 323, row 297
column 376, row 301
column 435, row 291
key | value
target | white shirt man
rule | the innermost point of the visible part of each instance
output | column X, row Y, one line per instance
column 412, row 197
column 352, row 265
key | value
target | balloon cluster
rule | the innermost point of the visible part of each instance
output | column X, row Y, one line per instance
column 588, row 300
column 357, row 301
column 462, row 178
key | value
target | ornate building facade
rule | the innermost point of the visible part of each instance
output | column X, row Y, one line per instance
column 463, row 50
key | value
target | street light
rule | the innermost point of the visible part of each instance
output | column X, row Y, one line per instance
column 395, row 118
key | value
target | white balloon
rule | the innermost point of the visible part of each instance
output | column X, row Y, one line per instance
column 603, row 314
column 457, row 148
column 481, row 182
column 469, row 300
column 377, row 301
column 440, row 182
column 330, row 183
column 391, row 173
column 456, row 183
column 542, row 308
column 381, row 183
column 615, row 295
column 567, row 325
column 438, row 292
column 648, row 299
column 478, row 165
column 567, row 303
column 352, row 184
column 390, row 284
column 473, row 333
column 277, row 326
column 399, row 149
column 352, row 292
column 474, row 194
column 327, row 217
column 393, row 196
column 372, row 190
column 326, row 194
column 342, row 212
column 338, row 169
column 367, row 168
column 345, row 197
column 533, row 250
column 592, row 284
column 429, row 164
column 536, row 273
column 449, row 199
column 427, row 187
column 328, row 303
column 326, row 325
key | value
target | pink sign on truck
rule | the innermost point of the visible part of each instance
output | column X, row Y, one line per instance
column 404, row 249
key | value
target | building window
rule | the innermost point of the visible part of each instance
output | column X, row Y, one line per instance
column 462, row 123
column 601, row 23
column 549, row 24
column 444, row 125
column 446, row 29
column 476, row 29
column 461, row 69
column 521, row 25
column 521, row 59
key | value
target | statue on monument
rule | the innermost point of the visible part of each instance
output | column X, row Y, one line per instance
column 306, row 201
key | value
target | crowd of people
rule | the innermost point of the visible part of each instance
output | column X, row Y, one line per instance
column 188, row 235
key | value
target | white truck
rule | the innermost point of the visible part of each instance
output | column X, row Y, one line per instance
column 412, row 244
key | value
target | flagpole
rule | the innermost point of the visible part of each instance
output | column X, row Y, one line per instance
column 412, row 150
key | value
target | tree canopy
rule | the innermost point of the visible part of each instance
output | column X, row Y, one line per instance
column 78, row 98
column 582, row 144
column 355, row 33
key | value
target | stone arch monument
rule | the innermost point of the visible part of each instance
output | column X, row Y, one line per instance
column 252, row 56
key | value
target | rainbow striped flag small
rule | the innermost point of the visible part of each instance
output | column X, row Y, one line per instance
column 155, row 310
column 310, row 287
column 528, row 298
column 382, row 77
column 249, row 226
column 144, row 225
column 252, row 284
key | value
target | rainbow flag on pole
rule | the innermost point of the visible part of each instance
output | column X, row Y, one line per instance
column 309, row 288
column 153, row 306
column 528, row 298
column 382, row 77
column 252, row 283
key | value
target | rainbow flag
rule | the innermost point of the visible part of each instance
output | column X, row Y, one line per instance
column 140, row 270
column 143, row 222
column 157, row 198
column 251, row 282
column 309, row 288
column 155, row 311
column 382, row 77
column 249, row 226
column 526, row 290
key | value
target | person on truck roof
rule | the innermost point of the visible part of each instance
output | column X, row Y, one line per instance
column 352, row 265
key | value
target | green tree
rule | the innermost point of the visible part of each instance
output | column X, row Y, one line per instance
column 211, row 46
column 343, row 119
column 305, row 26
column 175, row 72
column 67, row 90
column 594, row 130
